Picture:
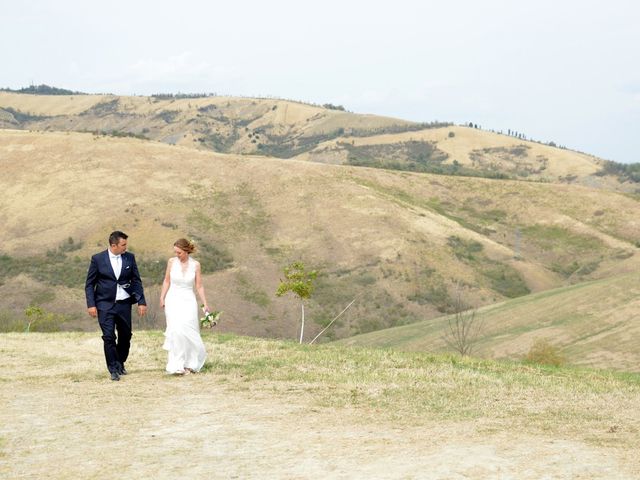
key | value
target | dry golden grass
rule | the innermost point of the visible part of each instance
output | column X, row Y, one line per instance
column 212, row 122
column 49, row 105
column 591, row 324
column 561, row 162
column 273, row 409
column 147, row 115
column 381, row 233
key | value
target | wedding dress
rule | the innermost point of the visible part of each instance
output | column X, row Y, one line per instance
column 182, row 336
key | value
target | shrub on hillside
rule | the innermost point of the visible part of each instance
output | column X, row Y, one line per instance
column 101, row 109
column 330, row 106
column 625, row 172
column 504, row 279
column 544, row 353
column 23, row 117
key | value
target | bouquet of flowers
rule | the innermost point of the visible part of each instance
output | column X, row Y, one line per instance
column 210, row 319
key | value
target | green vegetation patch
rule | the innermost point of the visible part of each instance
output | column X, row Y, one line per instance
column 505, row 279
column 251, row 292
column 23, row 117
column 56, row 267
column 219, row 141
column 626, row 172
column 574, row 253
column 502, row 277
column 555, row 237
column 374, row 308
column 238, row 212
column 386, row 157
column 411, row 156
column 168, row 116
column 512, row 160
column 63, row 266
column 106, row 107
column 396, row 128
column 431, row 289
column 467, row 216
column 284, row 146
column 34, row 319
column 212, row 256
column 120, row 134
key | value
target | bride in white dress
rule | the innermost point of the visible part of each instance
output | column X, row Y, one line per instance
column 182, row 336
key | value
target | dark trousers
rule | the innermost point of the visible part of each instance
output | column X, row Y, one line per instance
column 116, row 334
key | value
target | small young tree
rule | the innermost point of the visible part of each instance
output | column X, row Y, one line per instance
column 40, row 320
column 463, row 327
column 299, row 282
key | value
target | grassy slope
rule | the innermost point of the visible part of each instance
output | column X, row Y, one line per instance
column 398, row 242
column 592, row 323
column 381, row 236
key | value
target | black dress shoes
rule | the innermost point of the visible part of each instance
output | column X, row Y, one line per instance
column 114, row 376
column 122, row 370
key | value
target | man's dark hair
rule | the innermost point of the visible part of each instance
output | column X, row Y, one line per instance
column 114, row 238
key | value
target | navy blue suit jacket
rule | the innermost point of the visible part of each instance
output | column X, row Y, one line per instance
column 102, row 285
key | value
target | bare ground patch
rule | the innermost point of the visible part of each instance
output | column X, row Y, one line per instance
column 61, row 417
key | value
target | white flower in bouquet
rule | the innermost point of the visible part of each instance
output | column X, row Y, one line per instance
column 210, row 318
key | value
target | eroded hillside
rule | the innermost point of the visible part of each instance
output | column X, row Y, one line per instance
column 286, row 129
column 399, row 243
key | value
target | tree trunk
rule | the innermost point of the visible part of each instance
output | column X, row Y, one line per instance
column 302, row 324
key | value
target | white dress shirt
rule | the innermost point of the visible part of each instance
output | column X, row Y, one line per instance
column 116, row 264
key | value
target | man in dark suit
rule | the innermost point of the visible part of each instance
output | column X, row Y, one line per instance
column 113, row 285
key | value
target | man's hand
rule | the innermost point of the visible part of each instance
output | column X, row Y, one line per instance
column 142, row 310
column 93, row 312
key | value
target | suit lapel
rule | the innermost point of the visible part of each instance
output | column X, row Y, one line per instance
column 107, row 262
column 125, row 262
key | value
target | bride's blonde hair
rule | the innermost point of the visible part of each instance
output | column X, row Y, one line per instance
column 186, row 245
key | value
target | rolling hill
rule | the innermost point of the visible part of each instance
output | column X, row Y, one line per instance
column 591, row 323
column 286, row 129
column 397, row 239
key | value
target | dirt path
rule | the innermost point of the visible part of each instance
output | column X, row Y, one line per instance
column 67, row 420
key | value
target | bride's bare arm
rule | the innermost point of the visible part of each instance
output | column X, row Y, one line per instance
column 166, row 283
column 200, row 287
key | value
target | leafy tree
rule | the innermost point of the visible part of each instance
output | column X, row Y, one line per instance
column 38, row 319
column 299, row 282
column 44, row 90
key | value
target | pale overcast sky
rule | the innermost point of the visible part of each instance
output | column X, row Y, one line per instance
column 562, row 71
